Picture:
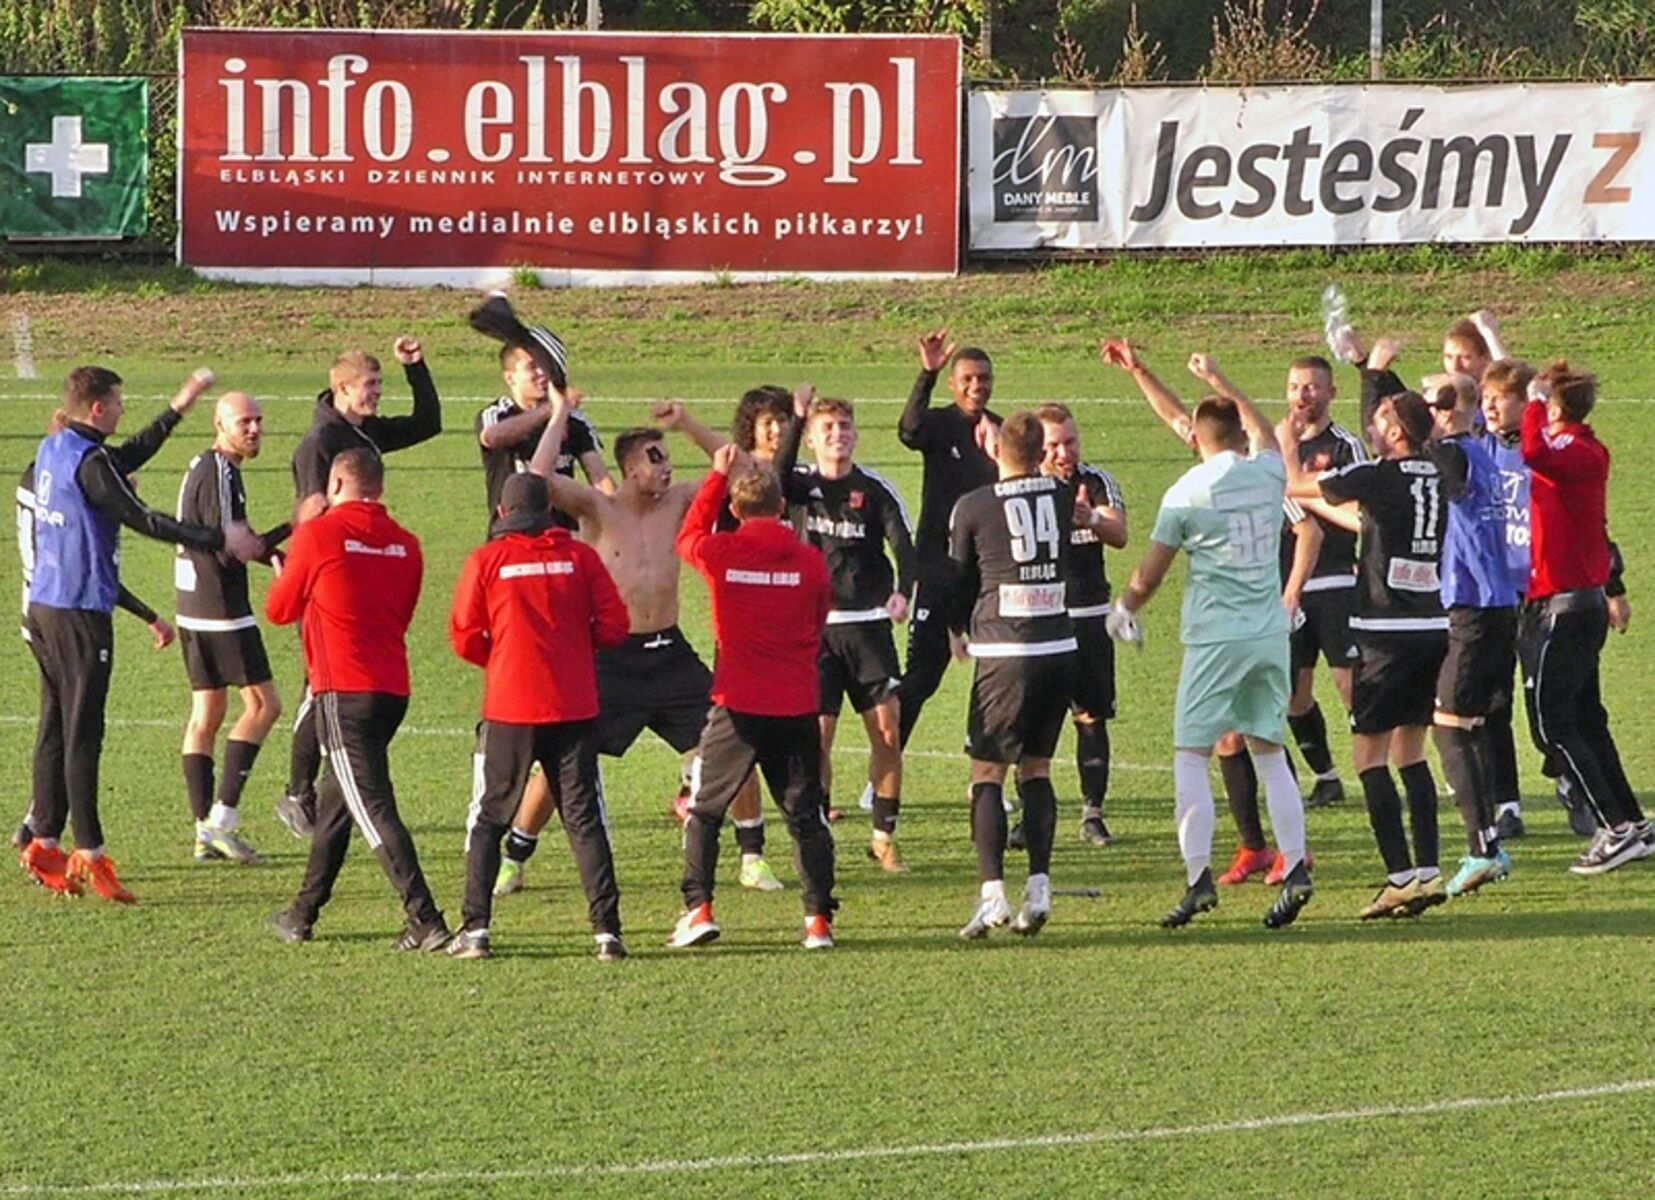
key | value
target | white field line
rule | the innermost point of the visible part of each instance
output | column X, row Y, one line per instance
column 702, row 1166
column 1006, row 403
column 441, row 732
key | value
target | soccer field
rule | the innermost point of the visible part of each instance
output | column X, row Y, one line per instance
column 1495, row 1046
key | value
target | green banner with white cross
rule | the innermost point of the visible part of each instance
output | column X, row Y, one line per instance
column 74, row 156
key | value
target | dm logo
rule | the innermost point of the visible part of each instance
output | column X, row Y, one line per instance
column 1045, row 168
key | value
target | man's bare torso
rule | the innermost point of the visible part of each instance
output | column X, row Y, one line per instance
column 635, row 536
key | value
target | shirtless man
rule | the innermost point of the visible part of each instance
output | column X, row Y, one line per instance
column 654, row 679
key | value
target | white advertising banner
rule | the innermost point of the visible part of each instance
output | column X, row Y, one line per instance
column 1311, row 165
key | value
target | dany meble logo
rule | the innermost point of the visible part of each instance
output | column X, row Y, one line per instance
column 1045, row 168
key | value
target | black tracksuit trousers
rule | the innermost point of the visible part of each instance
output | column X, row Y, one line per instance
column 75, row 650
column 355, row 730
column 568, row 752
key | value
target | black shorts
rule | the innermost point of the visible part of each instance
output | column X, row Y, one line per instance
column 1094, row 692
column 1018, row 706
column 1475, row 679
column 652, row 681
column 224, row 658
column 1326, row 629
column 1396, row 680
column 856, row 660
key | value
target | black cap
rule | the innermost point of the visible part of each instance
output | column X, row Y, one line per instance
column 527, row 502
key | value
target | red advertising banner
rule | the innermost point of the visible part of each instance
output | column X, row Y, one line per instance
column 327, row 154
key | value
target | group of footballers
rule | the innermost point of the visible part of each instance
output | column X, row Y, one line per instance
column 1466, row 521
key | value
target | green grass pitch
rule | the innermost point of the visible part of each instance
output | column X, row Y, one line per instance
column 1495, row 1047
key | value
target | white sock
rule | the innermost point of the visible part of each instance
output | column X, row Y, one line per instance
column 866, row 801
column 1089, row 811
column 224, row 818
column 1193, row 808
column 994, row 889
column 1510, row 806
column 1039, row 887
column 751, row 858
column 1427, row 874
column 1281, row 795
column 91, row 852
column 1401, row 878
column 46, row 843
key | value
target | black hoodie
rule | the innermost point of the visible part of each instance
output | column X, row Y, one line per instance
column 330, row 435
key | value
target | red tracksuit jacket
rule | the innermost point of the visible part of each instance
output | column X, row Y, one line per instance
column 353, row 575
column 771, row 594
column 530, row 609
column 1568, row 490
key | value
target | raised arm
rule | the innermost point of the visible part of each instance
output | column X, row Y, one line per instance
column 934, row 352
column 138, row 449
column 584, row 443
column 1118, row 352
column 674, row 414
column 787, row 454
column 1489, row 326
column 1261, row 438
column 425, row 422
column 576, row 499
column 697, row 526
column 1563, row 457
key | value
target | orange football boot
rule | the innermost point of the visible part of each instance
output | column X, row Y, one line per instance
column 1246, row 864
column 1276, row 875
column 49, row 867
column 99, row 872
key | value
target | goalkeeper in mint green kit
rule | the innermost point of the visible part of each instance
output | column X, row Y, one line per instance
column 1226, row 514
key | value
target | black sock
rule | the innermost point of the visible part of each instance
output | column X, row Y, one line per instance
column 1310, row 733
column 1502, row 752
column 1039, row 823
column 1485, row 748
column 1241, row 790
column 1421, row 790
column 750, row 838
column 239, row 758
column 988, row 830
column 884, row 813
column 520, row 846
column 1464, row 771
column 1092, row 758
column 1385, row 816
column 198, row 784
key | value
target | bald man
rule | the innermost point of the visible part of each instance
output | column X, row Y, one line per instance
column 221, row 641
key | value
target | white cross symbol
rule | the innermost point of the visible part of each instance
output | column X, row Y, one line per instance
column 66, row 158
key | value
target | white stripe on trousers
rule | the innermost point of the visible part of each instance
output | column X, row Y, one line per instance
column 344, row 775
column 478, row 785
column 1540, row 724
